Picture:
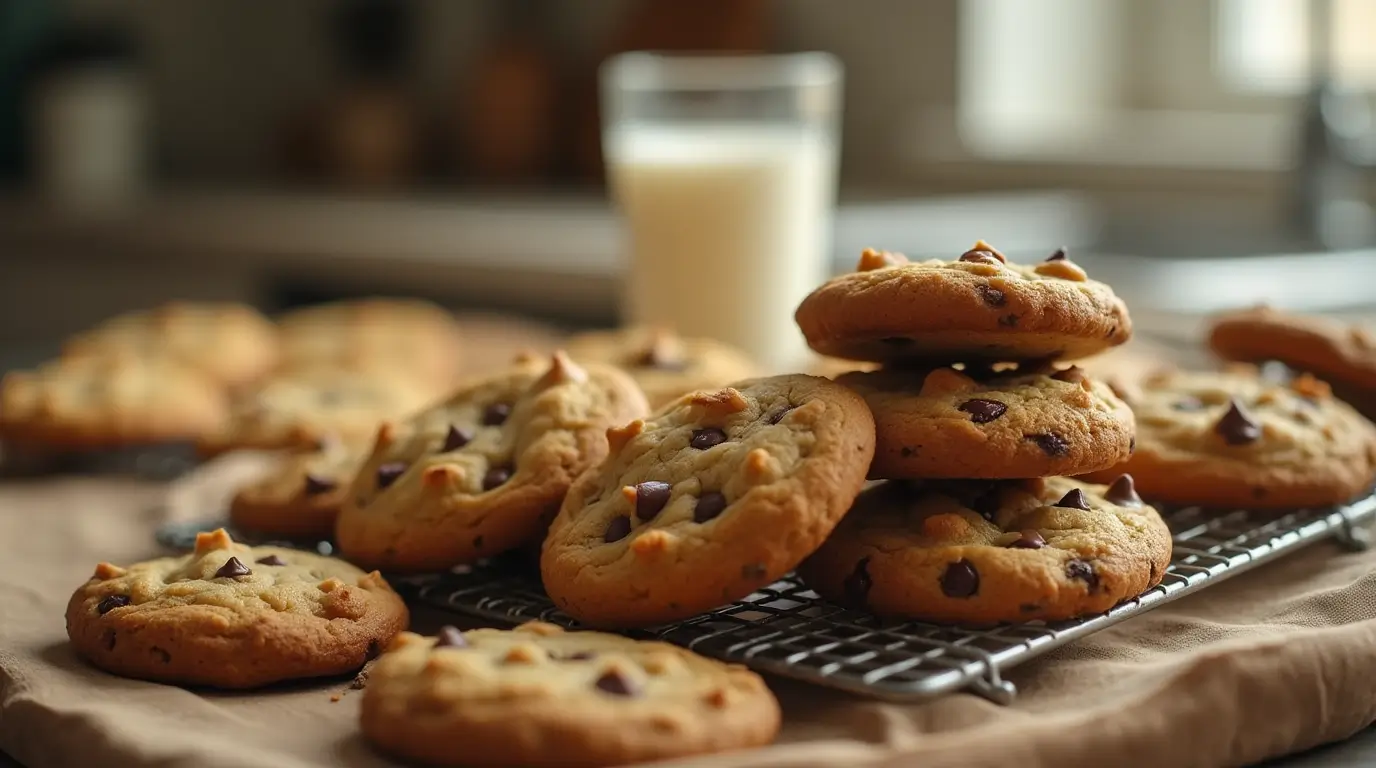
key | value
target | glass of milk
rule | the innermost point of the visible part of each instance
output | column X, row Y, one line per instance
column 724, row 169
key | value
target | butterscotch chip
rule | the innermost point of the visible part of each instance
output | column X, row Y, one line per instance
column 599, row 700
column 233, row 616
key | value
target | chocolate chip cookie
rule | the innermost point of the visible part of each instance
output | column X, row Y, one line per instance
column 232, row 616
column 978, row 423
column 480, row 473
column 300, row 496
column 981, row 552
column 231, row 343
column 402, row 337
column 1342, row 354
column 662, row 363
column 538, row 696
column 714, row 496
column 978, row 307
column 109, row 401
column 298, row 410
column 1236, row 439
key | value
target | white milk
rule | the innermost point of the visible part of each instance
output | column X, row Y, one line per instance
column 730, row 227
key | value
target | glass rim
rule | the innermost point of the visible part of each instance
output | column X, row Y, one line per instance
column 718, row 71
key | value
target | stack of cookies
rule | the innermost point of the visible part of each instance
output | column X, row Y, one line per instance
column 980, row 430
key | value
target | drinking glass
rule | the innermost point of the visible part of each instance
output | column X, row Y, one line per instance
column 724, row 170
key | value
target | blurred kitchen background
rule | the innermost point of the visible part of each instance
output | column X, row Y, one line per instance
column 1198, row 154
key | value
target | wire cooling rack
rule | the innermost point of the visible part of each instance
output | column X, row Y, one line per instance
column 786, row 630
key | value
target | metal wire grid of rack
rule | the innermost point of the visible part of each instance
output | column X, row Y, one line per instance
column 786, row 630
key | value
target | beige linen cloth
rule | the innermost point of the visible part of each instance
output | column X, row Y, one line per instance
column 1274, row 661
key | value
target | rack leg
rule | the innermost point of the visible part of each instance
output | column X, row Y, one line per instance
column 1355, row 536
column 995, row 688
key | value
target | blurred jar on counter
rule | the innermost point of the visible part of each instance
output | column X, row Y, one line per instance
column 87, row 120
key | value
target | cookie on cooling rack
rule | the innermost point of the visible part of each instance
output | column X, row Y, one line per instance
column 480, row 473
column 538, row 696
column 664, row 364
column 976, row 307
column 983, row 552
column 714, row 496
column 1236, row 439
column 300, row 495
column 232, row 616
column 978, row 423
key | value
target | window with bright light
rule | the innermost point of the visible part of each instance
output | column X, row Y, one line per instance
column 1182, row 83
column 1280, row 46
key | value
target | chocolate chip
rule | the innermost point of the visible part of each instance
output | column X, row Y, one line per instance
column 495, row 414
column 650, row 498
column 1132, row 445
column 1188, row 404
column 456, row 438
column 1123, row 493
column 1073, row 374
column 618, row 529
column 1236, row 427
column 612, row 681
column 232, row 568
column 1082, row 571
column 778, row 416
column 1051, row 444
column 1028, row 539
column 857, row 585
column 111, row 603
column 450, row 637
column 1074, row 499
column 316, row 485
column 580, row 656
column 907, row 451
column 495, row 476
column 991, row 295
column 960, row 580
column 983, row 411
column 709, row 505
column 389, row 472
column 980, row 257
column 1059, row 255
column 703, row 439
column 271, row 560
column 1009, row 321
